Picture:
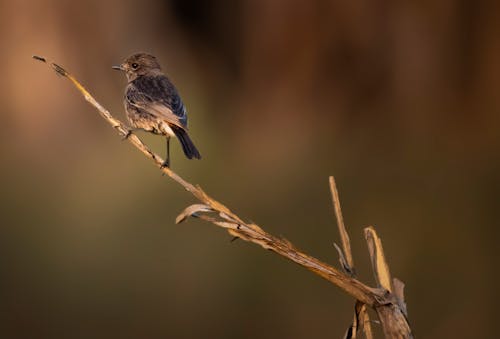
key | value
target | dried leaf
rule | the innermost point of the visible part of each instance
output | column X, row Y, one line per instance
column 224, row 224
column 191, row 211
column 255, row 228
column 237, row 234
column 379, row 264
column 217, row 206
column 227, row 217
column 228, row 225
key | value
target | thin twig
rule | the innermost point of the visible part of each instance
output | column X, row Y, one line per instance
column 344, row 236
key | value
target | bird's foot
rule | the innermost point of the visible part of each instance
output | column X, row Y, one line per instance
column 127, row 134
column 166, row 164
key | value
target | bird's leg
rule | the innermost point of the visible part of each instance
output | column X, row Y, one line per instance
column 166, row 163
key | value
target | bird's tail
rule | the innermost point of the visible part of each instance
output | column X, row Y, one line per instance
column 187, row 145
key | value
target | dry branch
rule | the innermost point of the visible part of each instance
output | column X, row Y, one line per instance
column 215, row 212
column 361, row 319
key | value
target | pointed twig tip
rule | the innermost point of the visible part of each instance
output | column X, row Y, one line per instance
column 59, row 70
column 39, row 58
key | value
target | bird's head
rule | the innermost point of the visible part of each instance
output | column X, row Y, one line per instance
column 139, row 64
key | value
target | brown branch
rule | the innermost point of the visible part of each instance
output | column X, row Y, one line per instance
column 225, row 218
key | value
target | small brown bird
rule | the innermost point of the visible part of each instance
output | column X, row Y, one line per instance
column 153, row 104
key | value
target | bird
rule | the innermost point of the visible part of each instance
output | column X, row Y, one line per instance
column 153, row 104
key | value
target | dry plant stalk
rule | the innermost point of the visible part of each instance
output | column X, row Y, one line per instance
column 382, row 301
column 361, row 319
column 348, row 263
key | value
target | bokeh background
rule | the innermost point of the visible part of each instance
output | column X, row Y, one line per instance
column 399, row 100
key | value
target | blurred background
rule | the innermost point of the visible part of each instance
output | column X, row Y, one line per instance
column 398, row 100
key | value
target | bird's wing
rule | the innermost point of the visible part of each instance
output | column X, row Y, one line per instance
column 160, row 111
column 144, row 102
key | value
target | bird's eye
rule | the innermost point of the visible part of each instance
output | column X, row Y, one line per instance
column 135, row 65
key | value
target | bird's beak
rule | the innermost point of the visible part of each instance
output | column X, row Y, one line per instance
column 118, row 68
